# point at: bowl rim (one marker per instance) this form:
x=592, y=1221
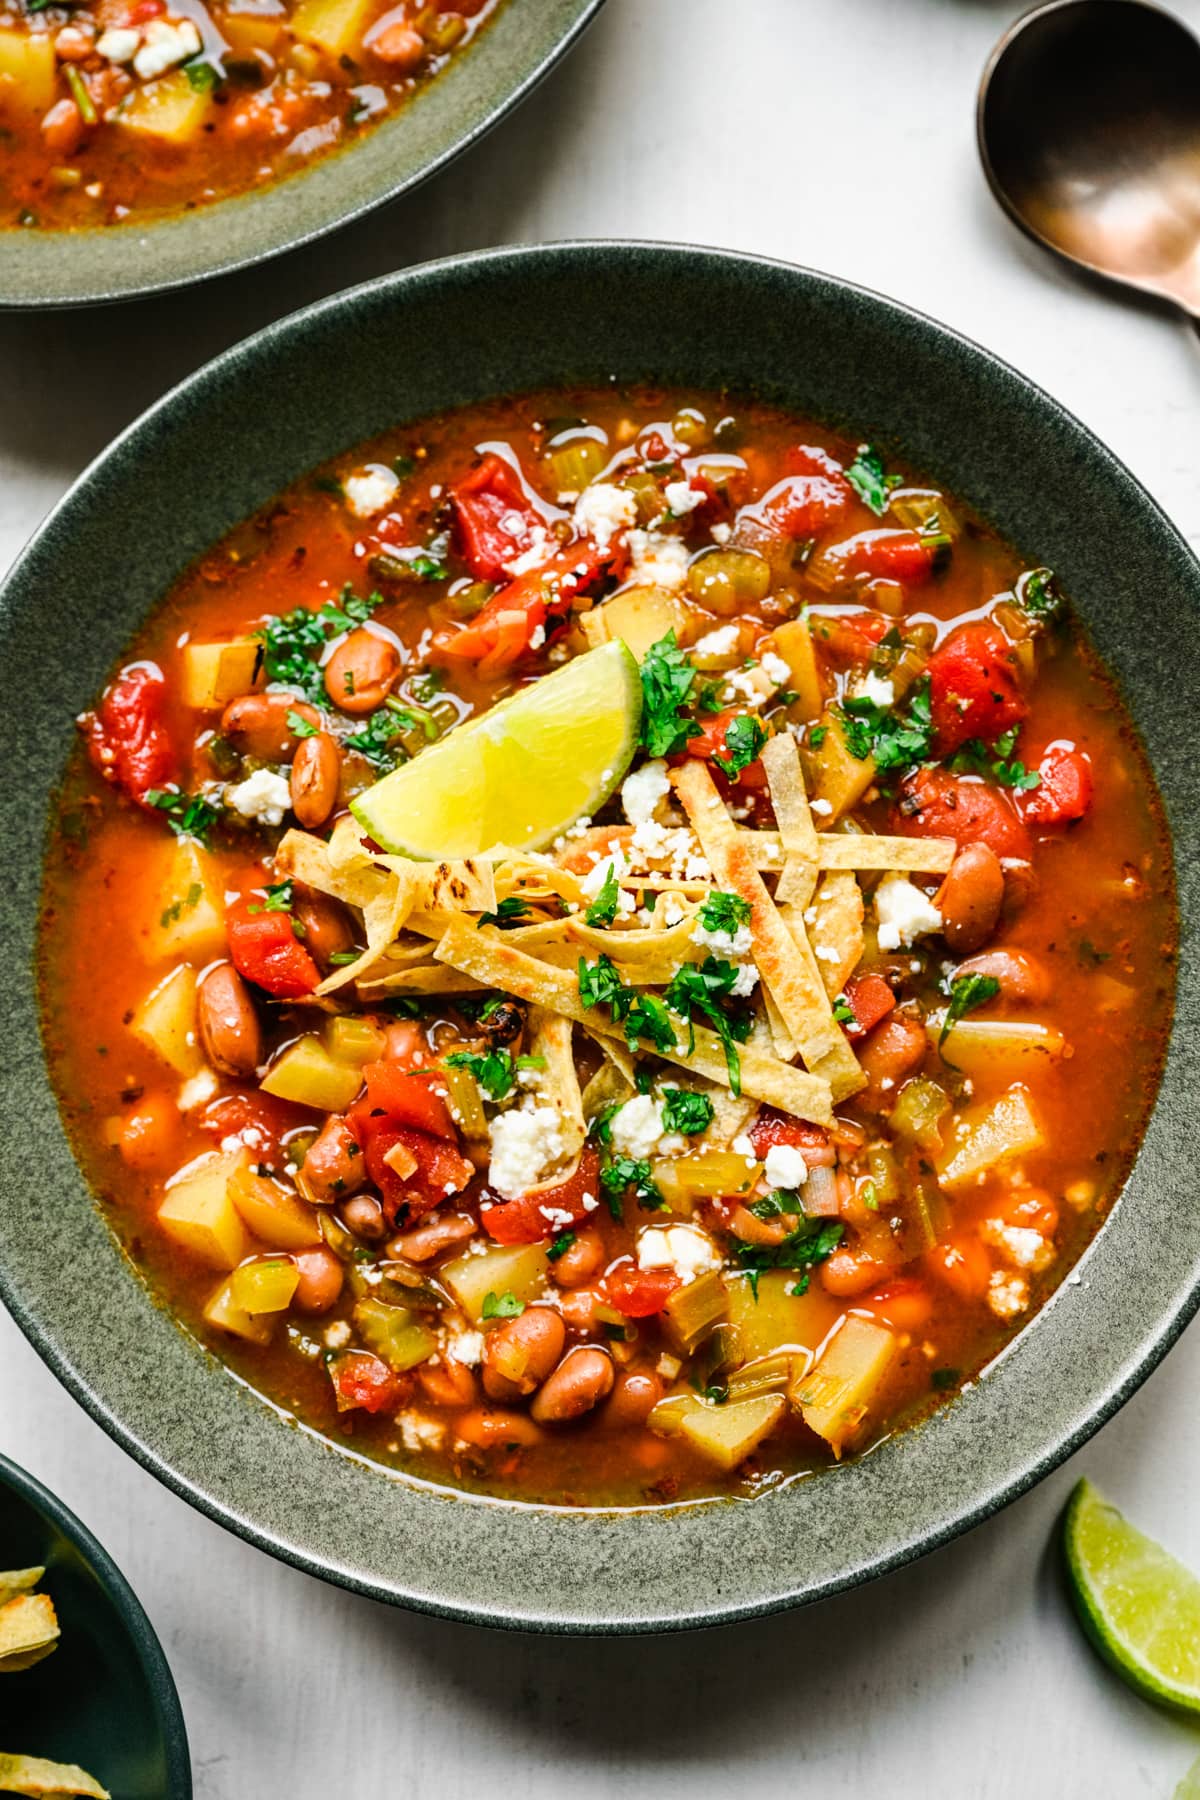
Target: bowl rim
x=1032, y=1464
x=151, y=1656
x=46, y=291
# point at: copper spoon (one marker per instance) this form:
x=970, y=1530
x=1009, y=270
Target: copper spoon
x=1089, y=131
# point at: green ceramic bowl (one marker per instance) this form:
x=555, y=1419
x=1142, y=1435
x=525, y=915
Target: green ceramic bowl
x=394, y=350
x=105, y=1698
x=76, y=268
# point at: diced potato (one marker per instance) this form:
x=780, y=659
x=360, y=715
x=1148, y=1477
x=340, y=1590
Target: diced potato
x=793, y=642
x=833, y=774
x=223, y=1312
x=987, y=1136
x=335, y=26
x=354, y=1041
x=189, y=913
x=198, y=1210
x=273, y=1213
x=394, y=1333
x=215, y=673
x=836, y=1396
x=777, y=1318
x=27, y=70
x=265, y=1285
x=165, y=1021
x=246, y=32
x=692, y=1311
x=307, y=1074
x=667, y=1417
x=727, y=1434
x=519, y=1270
x=1002, y=1048
x=639, y=616
x=169, y=109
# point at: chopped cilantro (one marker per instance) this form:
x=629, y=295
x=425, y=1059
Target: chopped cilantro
x=188, y=815
x=376, y=739
x=623, y=1173
x=494, y=1071
x=501, y=1306
x=966, y=993
x=866, y=476
x=697, y=988
x=817, y=736
x=513, y=911
x=686, y=1111
x=300, y=727
x=185, y=903
x=342, y=958
x=667, y=680
x=724, y=912
x=878, y=731
x=812, y=1242
x=560, y=1246
x=643, y=1015
x=974, y=758
x=744, y=739
x=603, y=909
x=290, y=639
x=1040, y=595
x=843, y=1012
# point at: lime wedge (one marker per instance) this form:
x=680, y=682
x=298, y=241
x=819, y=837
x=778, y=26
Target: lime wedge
x=1139, y=1606
x=519, y=775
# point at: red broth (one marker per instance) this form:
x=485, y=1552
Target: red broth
x=122, y=109
x=832, y=1282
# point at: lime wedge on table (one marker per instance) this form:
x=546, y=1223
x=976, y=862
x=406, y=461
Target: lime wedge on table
x=520, y=774
x=1139, y=1606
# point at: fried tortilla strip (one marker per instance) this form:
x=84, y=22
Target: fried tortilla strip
x=465, y=885
x=34, y=1777
x=305, y=858
x=836, y=931
x=797, y=833
x=861, y=850
x=18, y=1581
x=608, y=1087
x=426, y=978
x=28, y=1631
x=781, y=1038
x=557, y=1084
x=497, y=963
x=616, y=1054
x=383, y=920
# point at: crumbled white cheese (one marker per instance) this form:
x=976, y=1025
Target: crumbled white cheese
x=657, y=559
x=683, y=498
x=539, y=550
x=742, y=1146
x=775, y=669
x=527, y=1144
x=602, y=510
x=1007, y=1295
x=1019, y=1245
x=903, y=913
x=537, y=637
x=643, y=789
x=605, y=866
x=674, y=849
x=721, y=642
x=749, y=684
x=637, y=1130
x=118, y=43
x=163, y=45
x=785, y=1167
x=264, y=796
x=465, y=1347
x=672, y=913
x=198, y=1090
x=822, y=808
x=744, y=982
x=735, y=943
x=874, y=687
x=338, y=1334
x=683, y=1248
x=721, y=533
x=419, y=1433
x=370, y=489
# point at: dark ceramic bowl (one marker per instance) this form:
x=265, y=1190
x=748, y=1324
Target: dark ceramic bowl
x=77, y=268
x=392, y=351
x=105, y=1698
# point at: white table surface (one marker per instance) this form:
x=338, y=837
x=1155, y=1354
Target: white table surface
x=837, y=133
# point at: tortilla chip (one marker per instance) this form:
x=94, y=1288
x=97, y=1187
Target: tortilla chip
x=498, y=963
x=608, y=1087
x=856, y=850
x=466, y=885
x=383, y=918
x=18, y=1581
x=305, y=858
x=34, y=1776
x=615, y=1053
x=426, y=978
x=797, y=833
x=836, y=932
x=28, y=1631
x=557, y=1084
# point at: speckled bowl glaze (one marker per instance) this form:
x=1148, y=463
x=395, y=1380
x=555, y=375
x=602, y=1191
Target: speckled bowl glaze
x=105, y=1698
x=449, y=333
x=79, y=268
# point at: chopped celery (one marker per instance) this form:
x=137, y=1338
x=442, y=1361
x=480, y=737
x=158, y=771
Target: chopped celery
x=886, y=1179
x=393, y=1333
x=924, y=1215
x=466, y=1107
x=727, y=581
x=708, y=1175
x=728, y=1434
x=919, y=1112
x=265, y=1285
x=223, y=1312
x=575, y=465
x=354, y=1041
x=835, y=1397
x=924, y=510
x=766, y=1375
x=692, y=1311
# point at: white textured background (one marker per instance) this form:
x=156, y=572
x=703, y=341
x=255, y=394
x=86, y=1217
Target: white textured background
x=837, y=133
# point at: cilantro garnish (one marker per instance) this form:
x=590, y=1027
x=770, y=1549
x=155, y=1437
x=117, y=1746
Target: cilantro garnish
x=560, y=1246
x=501, y=1306
x=376, y=739
x=686, y=1111
x=812, y=1242
x=843, y=1012
x=623, y=1173
x=744, y=739
x=667, y=680
x=494, y=1071
x=603, y=909
x=290, y=639
x=878, y=731
x=188, y=815
x=966, y=993
x=974, y=758
x=696, y=988
x=513, y=911
x=642, y=1015
x=866, y=476
x=300, y=727
x=724, y=912
x=817, y=736
x=1040, y=595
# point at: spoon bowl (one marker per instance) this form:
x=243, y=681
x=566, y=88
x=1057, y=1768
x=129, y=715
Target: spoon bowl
x=1089, y=132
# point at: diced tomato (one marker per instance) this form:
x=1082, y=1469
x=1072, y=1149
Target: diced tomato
x=807, y=459
x=640, y=1293
x=771, y=1128
x=364, y=1381
x=504, y=630
x=524, y=1221
x=401, y=1096
x=870, y=999
x=265, y=1114
x=441, y=1170
x=973, y=691
x=496, y=522
x=711, y=743
x=1064, y=792
x=127, y=737
x=935, y=803
x=895, y=555
x=265, y=950
x=802, y=505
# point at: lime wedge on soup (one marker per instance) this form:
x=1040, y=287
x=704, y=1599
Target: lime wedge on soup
x=1139, y=1605
x=521, y=773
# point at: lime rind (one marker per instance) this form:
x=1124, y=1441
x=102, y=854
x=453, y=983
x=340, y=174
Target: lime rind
x=551, y=753
x=1138, y=1604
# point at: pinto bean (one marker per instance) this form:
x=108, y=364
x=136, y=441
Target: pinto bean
x=849, y=1271
x=488, y=1428
x=1021, y=976
x=364, y=1217
x=63, y=129
x=580, y=1261
x=398, y=45
x=889, y=1055
x=315, y=779
x=230, y=1034
x=582, y=1379
x=448, y=1383
x=970, y=898
x=332, y=1166
x=325, y=928
x=360, y=673
x=321, y=1278
x=633, y=1399
x=257, y=724
x=578, y=1308
x=519, y=1354
x=429, y=1239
